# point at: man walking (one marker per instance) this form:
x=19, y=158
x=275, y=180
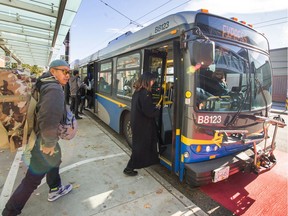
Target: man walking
x=46, y=153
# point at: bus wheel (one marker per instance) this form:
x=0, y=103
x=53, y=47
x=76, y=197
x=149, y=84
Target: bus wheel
x=127, y=131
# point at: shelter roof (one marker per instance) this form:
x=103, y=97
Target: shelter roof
x=34, y=31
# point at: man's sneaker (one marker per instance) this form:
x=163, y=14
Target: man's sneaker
x=59, y=192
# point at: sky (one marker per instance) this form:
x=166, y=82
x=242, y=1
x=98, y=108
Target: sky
x=99, y=21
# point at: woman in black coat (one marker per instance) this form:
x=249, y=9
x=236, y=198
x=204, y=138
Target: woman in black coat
x=144, y=129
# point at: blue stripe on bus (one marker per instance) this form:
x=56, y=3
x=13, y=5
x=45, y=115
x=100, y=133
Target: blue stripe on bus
x=204, y=156
x=113, y=110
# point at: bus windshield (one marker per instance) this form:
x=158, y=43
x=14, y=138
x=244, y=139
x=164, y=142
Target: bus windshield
x=239, y=80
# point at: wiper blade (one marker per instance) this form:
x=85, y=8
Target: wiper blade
x=247, y=92
x=263, y=95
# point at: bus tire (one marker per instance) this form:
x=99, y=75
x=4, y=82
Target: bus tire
x=127, y=131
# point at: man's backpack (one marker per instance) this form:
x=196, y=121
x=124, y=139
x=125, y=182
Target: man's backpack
x=18, y=100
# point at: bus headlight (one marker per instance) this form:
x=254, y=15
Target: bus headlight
x=208, y=149
x=186, y=154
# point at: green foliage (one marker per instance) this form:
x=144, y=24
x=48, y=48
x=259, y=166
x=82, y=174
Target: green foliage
x=14, y=65
x=33, y=69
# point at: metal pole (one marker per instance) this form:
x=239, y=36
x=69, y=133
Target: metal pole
x=67, y=47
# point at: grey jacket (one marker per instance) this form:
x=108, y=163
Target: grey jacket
x=50, y=109
x=74, y=83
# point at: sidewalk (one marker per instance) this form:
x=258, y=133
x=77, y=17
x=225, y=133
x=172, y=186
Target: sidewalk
x=279, y=108
x=93, y=162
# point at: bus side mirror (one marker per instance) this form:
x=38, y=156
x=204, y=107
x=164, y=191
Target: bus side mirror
x=202, y=51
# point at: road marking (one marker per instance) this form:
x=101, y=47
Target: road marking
x=10, y=180
x=72, y=166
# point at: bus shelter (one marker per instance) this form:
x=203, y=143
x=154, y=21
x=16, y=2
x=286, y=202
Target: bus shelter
x=32, y=32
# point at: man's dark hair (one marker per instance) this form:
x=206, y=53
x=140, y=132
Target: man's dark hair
x=75, y=72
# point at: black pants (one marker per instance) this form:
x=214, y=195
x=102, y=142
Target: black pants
x=75, y=100
x=82, y=103
x=90, y=99
x=40, y=165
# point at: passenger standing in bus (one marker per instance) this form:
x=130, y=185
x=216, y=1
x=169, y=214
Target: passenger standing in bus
x=90, y=94
x=85, y=85
x=144, y=129
x=75, y=83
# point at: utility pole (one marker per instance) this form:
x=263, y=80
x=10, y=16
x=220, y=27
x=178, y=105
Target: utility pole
x=67, y=47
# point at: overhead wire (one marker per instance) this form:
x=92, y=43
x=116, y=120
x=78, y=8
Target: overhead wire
x=256, y=25
x=134, y=22
x=166, y=12
x=131, y=21
x=270, y=20
x=154, y=10
x=271, y=24
x=121, y=30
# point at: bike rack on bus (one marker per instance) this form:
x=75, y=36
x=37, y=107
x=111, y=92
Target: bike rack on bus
x=265, y=156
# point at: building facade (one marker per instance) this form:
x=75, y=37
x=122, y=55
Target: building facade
x=279, y=63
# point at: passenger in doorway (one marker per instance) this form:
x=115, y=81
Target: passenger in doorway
x=220, y=87
x=46, y=153
x=90, y=94
x=85, y=85
x=75, y=83
x=144, y=129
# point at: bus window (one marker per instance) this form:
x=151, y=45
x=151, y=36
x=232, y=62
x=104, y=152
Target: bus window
x=128, y=69
x=223, y=85
x=105, y=77
x=262, y=85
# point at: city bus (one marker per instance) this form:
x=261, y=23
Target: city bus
x=204, y=136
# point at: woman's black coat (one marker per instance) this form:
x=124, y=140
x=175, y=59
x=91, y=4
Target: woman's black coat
x=144, y=130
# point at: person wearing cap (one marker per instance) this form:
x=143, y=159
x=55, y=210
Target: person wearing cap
x=46, y=153
x=143, y=125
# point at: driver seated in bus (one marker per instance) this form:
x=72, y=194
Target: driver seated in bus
x=219, y=87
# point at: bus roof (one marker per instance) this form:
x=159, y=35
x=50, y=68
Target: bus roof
x=166, y=28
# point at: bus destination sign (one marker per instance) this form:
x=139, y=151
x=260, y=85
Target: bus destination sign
x=233, y=34
x=228, y=29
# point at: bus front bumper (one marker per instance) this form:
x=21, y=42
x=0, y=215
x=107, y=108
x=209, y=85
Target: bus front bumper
x=202, y=173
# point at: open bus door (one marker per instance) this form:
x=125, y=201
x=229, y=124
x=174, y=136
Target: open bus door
x=155, y=61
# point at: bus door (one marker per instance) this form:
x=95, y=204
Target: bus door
x=156, y=62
